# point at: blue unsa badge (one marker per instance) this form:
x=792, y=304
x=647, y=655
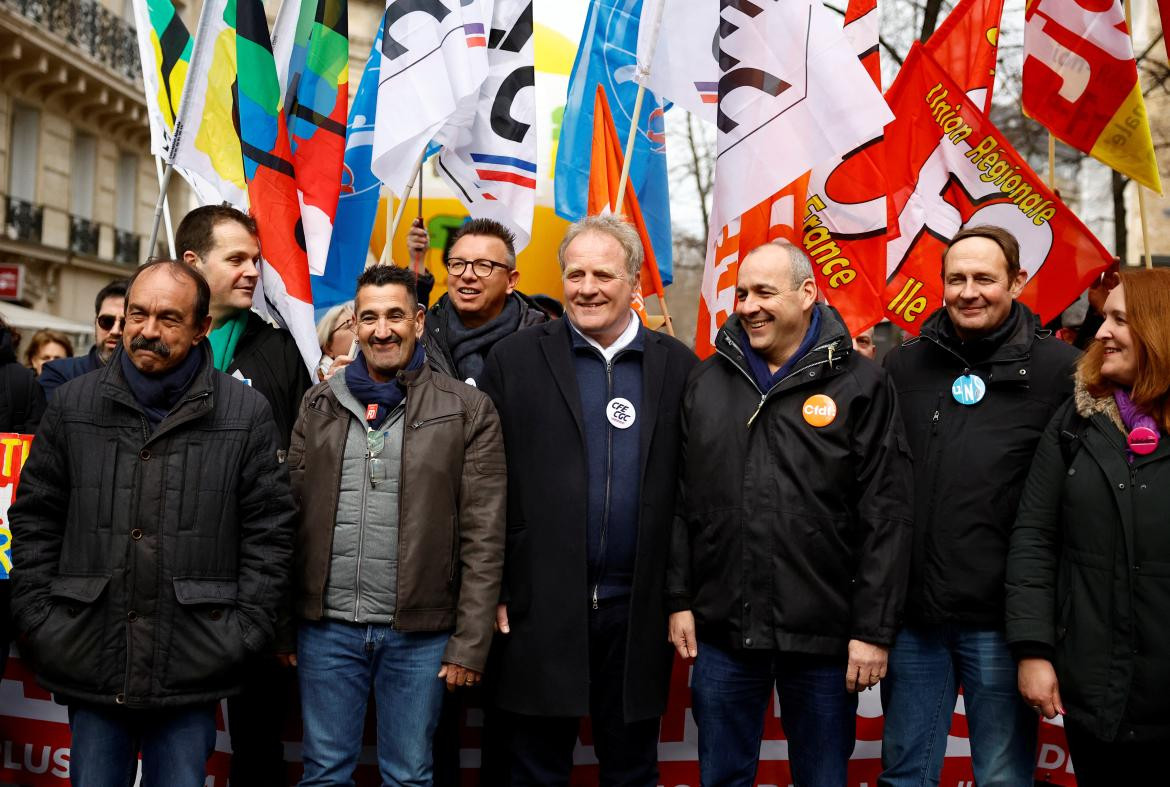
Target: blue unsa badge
x=968, y=389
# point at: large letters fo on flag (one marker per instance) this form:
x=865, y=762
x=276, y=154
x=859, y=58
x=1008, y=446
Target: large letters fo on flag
x=1080, y=80
x=434, y=60
x=492, y=167
x=604, y=177
x=955, y=169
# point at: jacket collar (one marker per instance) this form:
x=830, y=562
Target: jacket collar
x=198, y=400
x=1009, y=343
x=826, y=357
x=1088, y=405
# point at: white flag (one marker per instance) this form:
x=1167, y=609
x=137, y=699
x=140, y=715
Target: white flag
x=205, y=142
x=492, y=166
x=676, y=59
x=434, y=60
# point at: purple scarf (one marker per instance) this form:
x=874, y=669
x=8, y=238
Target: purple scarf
x=1132, y=416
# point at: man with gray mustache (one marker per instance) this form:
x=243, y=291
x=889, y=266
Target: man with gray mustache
x=153, y=541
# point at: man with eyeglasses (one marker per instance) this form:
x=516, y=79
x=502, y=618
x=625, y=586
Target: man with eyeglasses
x=109, y=309
x=400, y=476
x=482, y=304
x=222, y=244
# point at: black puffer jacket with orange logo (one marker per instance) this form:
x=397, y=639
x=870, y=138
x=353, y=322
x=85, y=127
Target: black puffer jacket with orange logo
x=790, y=535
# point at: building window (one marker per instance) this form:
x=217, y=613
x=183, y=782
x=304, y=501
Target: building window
x=22, y=172
x=125, y=240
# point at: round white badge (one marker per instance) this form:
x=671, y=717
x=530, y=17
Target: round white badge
x=621, y=413
x=471, y=381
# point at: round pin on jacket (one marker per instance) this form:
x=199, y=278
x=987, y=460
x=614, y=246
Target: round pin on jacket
x=621, y=412
x=1142, y=440
x=968, y=389
x=819, y=410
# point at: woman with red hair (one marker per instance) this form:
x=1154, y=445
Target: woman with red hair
x=1088, y=573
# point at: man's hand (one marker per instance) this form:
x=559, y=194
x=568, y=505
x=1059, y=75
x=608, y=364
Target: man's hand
x=682, y=634
x=286, y=660
x=867, y=665
x=1039, y=688
x=458, y=676
x=1099, y=290
x=502, y=619
x=417, y=242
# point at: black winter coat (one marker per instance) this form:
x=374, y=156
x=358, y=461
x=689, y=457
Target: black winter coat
x=790, y=536
x=21, y=400
x=147, y=565
x=970, y=462
x=1088, y=575
x=544, y=664
x=269, y=357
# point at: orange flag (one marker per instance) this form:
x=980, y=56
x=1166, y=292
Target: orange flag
x=966, y=44
x=605, y=173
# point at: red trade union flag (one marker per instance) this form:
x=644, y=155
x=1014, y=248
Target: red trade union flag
x=861, y=28
x=779, y=216
x=1081, y=81
x=956, y=169
x=604, y=176
x=966, y=44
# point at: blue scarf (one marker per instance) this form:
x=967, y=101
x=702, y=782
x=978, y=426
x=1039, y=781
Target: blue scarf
x=766, y=379
x=386, y=396
x=158, y=394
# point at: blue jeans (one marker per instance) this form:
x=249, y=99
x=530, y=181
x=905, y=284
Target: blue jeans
x=730, y=692
x=175, y=744
x=927, y=666
x=337, y=665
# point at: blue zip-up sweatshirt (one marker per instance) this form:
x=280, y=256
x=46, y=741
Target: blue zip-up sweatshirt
x=612, y=457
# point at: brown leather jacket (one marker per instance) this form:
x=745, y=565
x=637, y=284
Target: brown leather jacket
x=451, y=510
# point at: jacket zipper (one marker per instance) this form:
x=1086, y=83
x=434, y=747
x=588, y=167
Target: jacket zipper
x=357, y=574
x=789, y=376
x=608, y=473
x=425, y=421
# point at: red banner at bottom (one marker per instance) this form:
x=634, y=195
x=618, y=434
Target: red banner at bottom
x=34, y=743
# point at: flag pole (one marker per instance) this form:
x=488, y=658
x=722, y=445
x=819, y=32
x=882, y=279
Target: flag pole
x=420, y=216
x=632, y=137
x=158, y=169
x=392, y=227
x=1140, y=188
x=667, y=320
x=163, y=182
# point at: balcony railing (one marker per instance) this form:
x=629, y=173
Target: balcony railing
x=23, y=220
x=90, y=27
x=126, y=247
x=83, y=236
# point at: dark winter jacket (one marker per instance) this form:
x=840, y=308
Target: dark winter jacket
x=971, y=461
x=791, y=536
x=269, y=357
x=148, y=564
x=1088, y=574
x=21, y=400
x=56, y=373
x=438, y=343
x=544, y=664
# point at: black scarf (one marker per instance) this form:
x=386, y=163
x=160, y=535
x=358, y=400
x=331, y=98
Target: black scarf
x=386, y=396
x=469, y=346
x=981, y=348
x=158, y=394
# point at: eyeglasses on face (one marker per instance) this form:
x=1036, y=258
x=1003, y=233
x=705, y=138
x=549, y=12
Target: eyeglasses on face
x=481, y=268
x=106, y=321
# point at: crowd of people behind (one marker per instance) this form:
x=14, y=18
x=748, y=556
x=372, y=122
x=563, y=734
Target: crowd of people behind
x=490, y=502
